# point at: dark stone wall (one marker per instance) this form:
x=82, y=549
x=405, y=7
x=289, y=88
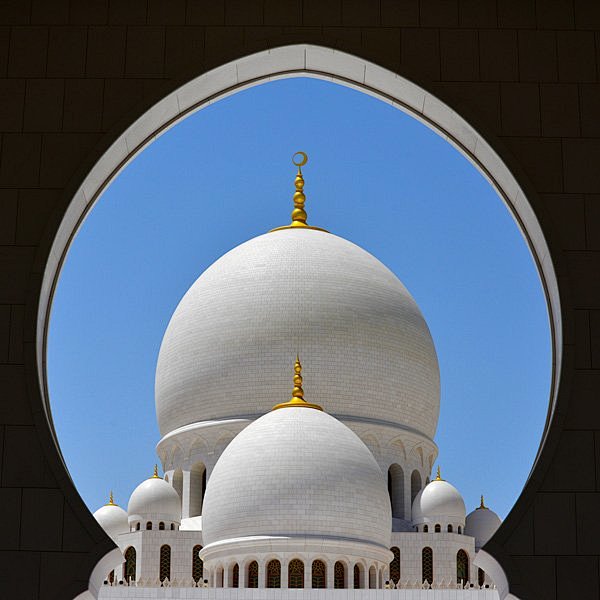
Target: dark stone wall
x=76, y=73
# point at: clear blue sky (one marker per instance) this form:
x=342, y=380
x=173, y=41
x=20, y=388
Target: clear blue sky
x=376, y=177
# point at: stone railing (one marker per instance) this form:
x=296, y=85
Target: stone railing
x=401, y=585
x=149, y=590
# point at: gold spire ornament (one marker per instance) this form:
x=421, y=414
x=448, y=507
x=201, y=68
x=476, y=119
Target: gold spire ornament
x=299, y=215
x=297, y=400
x=482, y=506
x=111, y=501
x=155, y=475
x=438, y=477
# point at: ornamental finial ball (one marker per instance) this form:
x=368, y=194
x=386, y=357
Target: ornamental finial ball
x=299, y=216
x=298, y=392
x=297, y=399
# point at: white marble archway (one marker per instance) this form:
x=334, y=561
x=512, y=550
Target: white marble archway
x=301, y=60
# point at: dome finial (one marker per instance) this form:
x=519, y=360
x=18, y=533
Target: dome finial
x=298, y=392
x=299, y=216
x=297, y=399
x=155, y=474
x=111, y=501
x=482, y=505
x=438, y=477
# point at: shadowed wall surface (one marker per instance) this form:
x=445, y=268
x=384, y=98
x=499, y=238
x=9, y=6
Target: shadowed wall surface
x=76, y=74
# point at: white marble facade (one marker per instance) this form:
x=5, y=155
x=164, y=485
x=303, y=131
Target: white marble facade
x=297, y=497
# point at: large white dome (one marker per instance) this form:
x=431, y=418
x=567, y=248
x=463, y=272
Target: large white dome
x=226, y=352
x=297, y=472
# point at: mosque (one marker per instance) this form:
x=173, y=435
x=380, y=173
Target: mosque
x=328, y=489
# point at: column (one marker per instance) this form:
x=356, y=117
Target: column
x=185, y=495
x=407, y=492
x=330, y=574
x=284, y=574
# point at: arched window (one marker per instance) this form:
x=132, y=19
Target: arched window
x=137, y=526
x=319, y=574
x=130, y=564
x=149, y=525
x=339, y=576
x=480, y=577
x=396, y=490
x=450, y=529
x=372, y=578
x=197, y=488
x=425, y=529
x=296, y=574
x=395, y=565
x=111, y=576
x=274, y=574
x=415, y=484
x=462, y=567
x=165, y=563
x=219, y=577
x=356, y=577
x=172, y=526
x=235, y=576
x=177, y=482
x=161, y=526
x=197, y=564
x=438, y=528
x=252, y=576
x=427, y=565
x=459, y=529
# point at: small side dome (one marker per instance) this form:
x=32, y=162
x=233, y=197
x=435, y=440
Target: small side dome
x=112, y=518
x=154, y=500
x=438, y=502
x=481, y=524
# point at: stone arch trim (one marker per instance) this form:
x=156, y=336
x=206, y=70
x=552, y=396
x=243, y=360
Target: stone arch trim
x=313, y=61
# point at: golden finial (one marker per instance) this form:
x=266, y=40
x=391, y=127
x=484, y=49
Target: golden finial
x=155, y=475
x=298, y=392
x=482, y=505
x=438, y=477
x=111, y=501
x=297, y=399
x=299, y=216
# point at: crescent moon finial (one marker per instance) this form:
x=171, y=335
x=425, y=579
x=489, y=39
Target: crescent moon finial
x=299, y=216
x=302, y=160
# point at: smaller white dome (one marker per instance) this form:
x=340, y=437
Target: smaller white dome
x=481, y=524
x=154, y=500
x=438, y=502
x=113, y=519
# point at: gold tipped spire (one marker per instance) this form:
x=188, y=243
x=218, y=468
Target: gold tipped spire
x=111, y=501
x=482, y=505
x=297, y=399
x=299, y=215
x=298, y=392
x=155, y=475
x=438, y=477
